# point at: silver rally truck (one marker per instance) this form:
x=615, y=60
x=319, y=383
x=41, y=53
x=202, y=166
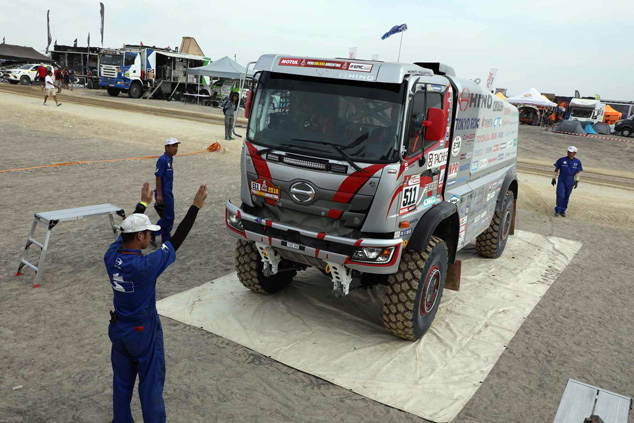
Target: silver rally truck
x=373, y=173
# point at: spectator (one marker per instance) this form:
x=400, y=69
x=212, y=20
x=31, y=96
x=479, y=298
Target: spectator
x=229, y=108
x=66, y=77
x=50, y=89
x=41, y=73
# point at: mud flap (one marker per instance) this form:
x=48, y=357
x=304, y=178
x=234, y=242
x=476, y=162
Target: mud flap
x=512, y=231
x=452, y=281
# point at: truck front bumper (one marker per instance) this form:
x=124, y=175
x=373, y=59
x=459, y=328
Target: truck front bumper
x=309, y=247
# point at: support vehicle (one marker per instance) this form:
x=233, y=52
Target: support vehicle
x=586, y=110
x=135, y=70
x=373, y=173
x=23, y=74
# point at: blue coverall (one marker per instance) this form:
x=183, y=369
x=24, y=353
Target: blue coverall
x=137, y=335
x=165, y=171
x=567, y=171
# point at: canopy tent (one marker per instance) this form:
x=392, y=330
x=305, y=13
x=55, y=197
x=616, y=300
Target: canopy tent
x=27, y=54
x=531, y=97
x=611, y=116
x=225, y=68
x=500, y=96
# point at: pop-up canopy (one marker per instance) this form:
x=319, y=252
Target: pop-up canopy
x=27, y=54
x=500, y=96
x=532, y=97
x=610, y=115
x=225, y=68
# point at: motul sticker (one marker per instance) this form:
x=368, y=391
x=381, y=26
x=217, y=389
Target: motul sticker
x=411, y=189
x=265, y=189
x=437, y=158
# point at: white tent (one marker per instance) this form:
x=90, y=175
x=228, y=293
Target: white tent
x=532, y=97
x=225, y=68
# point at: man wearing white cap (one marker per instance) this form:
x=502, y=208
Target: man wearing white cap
x=135, y=328
x=568, y=168
x=164, y=196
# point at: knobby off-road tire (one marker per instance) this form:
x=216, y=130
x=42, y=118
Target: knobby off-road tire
x=491, y=242
x=113, y=92
x=249, y=266
x=413, y=293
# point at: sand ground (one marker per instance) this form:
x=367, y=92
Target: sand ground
x=53, y=340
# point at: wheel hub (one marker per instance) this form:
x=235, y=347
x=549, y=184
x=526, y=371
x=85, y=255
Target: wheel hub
x=506, y=224
x=430, y=290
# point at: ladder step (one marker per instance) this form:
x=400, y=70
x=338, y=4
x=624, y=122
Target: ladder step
x=39, y=244
x=29, y=264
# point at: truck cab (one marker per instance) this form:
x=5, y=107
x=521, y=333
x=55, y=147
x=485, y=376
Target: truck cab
x=369, y=171
x=586, y=110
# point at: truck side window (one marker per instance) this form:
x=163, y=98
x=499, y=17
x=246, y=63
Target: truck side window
x=433, y=100
x=415, y=144
x=129, y=59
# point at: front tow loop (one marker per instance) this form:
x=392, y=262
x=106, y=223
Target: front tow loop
x=270, y=259
x=341, y=279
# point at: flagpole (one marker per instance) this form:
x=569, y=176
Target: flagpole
x=399, y=48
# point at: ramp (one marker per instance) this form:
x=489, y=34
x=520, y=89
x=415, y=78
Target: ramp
x=342, y=340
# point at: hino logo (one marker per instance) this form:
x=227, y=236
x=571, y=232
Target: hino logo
x=356, y=76
x=302, y=192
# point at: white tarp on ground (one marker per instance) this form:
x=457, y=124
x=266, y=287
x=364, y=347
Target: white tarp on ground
x=342, y=340
x=532, y=97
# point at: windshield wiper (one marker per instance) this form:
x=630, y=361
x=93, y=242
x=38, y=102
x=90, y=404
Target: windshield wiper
x=336, y=148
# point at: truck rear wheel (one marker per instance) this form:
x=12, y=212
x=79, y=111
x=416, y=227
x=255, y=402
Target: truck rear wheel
x=249, y=266
x=413, y=293
x=113, y=91
x=491, y=242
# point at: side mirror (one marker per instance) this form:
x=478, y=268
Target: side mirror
x=436, y=125
x=247, y=107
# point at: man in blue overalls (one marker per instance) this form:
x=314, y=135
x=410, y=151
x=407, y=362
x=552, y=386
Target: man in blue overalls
x=164, y=195
x=568, y=168
x=135, y=329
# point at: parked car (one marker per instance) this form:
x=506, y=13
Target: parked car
x=625, y=126
x=24, y=74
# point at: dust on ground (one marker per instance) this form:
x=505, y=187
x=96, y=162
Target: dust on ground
x=54, y=339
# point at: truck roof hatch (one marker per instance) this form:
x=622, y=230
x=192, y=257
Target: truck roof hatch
x=437, y=67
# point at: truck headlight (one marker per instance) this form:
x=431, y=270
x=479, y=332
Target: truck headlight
x=373, y=254
x=234, y=221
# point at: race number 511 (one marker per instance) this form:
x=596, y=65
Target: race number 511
x=437, y=158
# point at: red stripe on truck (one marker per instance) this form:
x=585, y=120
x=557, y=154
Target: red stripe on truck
x=334, y=214
x=353, y=183
x=261, y=166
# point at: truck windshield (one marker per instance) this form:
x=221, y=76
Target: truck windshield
x=581, y=112
x=362, y=119
x=112, y=59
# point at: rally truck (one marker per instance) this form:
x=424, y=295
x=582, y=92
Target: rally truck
x=375, y=174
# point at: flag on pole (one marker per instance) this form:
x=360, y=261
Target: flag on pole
x=101, y=12
x=48, y=29
x=353, y=53
x=395, y=30
x=75, y=43
x=492, y=74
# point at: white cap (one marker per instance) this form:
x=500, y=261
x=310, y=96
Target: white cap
x=572, y=149
x=171, y=141
x=138, y=222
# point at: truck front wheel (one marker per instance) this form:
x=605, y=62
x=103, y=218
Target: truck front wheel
x=249, y=266
x=113, y=92
x=413, y=293
x=136, y=90
x=491, y=242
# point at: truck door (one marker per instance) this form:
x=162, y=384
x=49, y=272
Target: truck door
x=425, y=161
x=132, y=66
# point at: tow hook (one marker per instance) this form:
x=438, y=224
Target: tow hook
x=341, y=278
x=270, y=259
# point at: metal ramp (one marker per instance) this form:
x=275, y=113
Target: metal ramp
x=585, y=403
x=52, y=218
x=148, y=94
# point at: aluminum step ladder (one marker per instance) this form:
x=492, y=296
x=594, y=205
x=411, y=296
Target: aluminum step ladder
x=150, y=93
x=586, y=403
x=50, y=219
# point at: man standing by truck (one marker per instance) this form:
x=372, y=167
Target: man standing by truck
x=229, y=107
x=135, y=328
x=568, y=168
x=164, y=195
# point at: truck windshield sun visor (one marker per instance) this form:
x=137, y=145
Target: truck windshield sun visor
x=360, y=118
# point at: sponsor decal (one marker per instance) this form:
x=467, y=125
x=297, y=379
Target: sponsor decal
x=435, y=88
x=430, y=201
x=465, y=124
x=502, y=145
x=411, y=190
x=485, y=101
x=453, y=170
x=475, y=166
x=437, y=158
x=514, y=142
x=430, y=187
x=463, y=167
x=265, y=189
x=360, y=67
x=455, y=147
x=356, y=76
x=483, y=163
x=465, y=156
x=466, y=211
x=450, y=183
x=483, y=138
x=501, y=157
x=497, y=122
x=493, y=159
x=463, y=100
x=454, y=199
x=477, y=152
x=468, y=138
x=489, y=150
x=496, y=147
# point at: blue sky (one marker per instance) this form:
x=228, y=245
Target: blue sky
x=558, y=48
